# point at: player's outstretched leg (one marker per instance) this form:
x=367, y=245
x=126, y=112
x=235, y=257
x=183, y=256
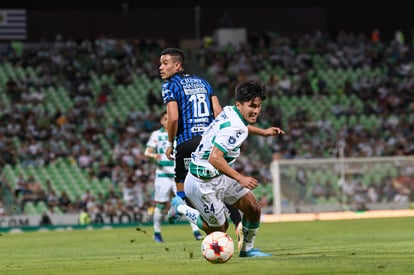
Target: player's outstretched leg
x=180, y=208
x=196, y=231
x=173, y=215
x=157, y=221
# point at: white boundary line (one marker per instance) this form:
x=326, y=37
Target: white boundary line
x=338, y=216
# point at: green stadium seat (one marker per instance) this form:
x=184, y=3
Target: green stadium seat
x=29, y=208
x=41, y=207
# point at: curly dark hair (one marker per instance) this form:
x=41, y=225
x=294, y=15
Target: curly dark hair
x=248, y=90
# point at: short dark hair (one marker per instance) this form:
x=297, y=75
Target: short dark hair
x=175, y=52
x=250, y=89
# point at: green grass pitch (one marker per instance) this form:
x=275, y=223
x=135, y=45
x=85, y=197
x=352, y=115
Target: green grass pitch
x=366, y=246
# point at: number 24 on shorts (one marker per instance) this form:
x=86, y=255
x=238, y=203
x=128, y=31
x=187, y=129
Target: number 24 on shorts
x=209, y=208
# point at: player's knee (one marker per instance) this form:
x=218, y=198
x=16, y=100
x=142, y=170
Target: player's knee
x=252, y=209
x=255, y=209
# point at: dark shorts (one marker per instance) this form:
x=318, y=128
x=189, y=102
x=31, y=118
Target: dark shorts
x=183, y=157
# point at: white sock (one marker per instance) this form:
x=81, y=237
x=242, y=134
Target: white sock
x=157, y=219
x=249, y=237
x=194, y=227
x=191, y=213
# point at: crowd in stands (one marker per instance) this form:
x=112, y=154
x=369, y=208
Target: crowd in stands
x=32, y=136
x=388, y=96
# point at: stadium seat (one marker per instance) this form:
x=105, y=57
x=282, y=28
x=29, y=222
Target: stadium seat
x=30, y=209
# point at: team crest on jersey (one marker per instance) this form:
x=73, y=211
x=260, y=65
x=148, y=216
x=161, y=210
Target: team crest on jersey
x=212, y=220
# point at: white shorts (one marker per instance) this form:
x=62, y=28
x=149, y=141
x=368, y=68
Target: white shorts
x=163, y=186
x=209, y=196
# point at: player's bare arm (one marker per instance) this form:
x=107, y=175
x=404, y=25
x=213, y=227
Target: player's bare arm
x=172, y=127
x=271, y=131
x=216, y=106
x=217, y=160
x=150, y=153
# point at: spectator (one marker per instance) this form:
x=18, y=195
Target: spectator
x=329, y=190
x=20, y=186
x=84, y=159
x=84, y=218
x=64, y=202
x=52, y=199
x=318, y=191
x=45, y=220
x=132, y=195
x=372, y=195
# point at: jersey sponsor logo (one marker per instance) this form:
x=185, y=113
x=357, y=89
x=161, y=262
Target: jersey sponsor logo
x=203, y=172
x=190, y=215
x=190, y=80
x=193, y=86
x=199, y=120
x=194, y=91
x=223, y=115
x=187, y=163
x=232, y=140
x=197, y=129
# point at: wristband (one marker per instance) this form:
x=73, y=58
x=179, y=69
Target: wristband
x=170, y=144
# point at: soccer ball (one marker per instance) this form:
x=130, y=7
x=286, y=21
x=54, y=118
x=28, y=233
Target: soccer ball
x=217, y=247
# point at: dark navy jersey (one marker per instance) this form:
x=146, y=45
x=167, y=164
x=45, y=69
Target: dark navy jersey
x=193, y=97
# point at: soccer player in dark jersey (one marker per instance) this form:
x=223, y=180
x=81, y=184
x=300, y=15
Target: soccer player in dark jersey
x=191, y=106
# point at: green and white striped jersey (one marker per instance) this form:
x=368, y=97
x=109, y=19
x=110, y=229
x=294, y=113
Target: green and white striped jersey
x=227, y=132
x=159, y=142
